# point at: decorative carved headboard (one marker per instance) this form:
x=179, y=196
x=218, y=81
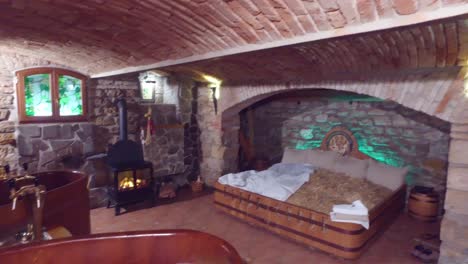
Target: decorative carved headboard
x=342, y=140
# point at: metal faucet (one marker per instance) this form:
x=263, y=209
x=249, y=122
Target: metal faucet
x=34, y=196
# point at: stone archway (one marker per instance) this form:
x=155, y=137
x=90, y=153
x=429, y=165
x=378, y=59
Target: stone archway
x=429, y=91
x=434, y=92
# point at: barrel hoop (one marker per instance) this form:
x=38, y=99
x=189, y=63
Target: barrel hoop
x=424, y=201
x=422, y=216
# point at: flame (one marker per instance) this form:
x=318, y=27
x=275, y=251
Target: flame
x=127, y=183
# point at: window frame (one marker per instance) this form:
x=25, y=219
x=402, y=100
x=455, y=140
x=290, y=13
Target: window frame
x=55, y=100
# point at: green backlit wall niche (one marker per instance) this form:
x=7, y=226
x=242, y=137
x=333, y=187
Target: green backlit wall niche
x=366, y=146
x=385, y=131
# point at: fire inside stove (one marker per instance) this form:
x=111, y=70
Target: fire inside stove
x=128, y=181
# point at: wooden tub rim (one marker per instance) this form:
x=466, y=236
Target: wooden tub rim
x=228, y=248
x=80, y=176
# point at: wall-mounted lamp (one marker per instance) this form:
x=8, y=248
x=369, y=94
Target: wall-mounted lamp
x=214, y=84
x=151, y=87
x=215, y=100
x=465, y=85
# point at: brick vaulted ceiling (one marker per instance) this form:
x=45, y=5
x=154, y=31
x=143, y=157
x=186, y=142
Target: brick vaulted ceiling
x=433, y=45
x=102, y=37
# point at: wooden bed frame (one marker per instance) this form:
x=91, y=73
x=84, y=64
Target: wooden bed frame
x=307, y=226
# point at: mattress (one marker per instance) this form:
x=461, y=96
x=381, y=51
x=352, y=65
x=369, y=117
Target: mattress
x=326, y=188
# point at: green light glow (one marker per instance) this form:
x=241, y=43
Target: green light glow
x=375, y=148
x=303, y=145
x=306, y=133
x=368, y=146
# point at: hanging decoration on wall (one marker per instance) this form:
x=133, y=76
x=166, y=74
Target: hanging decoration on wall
x=149, y=126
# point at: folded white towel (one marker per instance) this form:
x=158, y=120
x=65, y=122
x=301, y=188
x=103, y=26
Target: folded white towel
x=356, y=208
x=356, y=213
x=335, y=218
x=341, y=216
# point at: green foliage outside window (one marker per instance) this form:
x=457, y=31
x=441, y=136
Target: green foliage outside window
x=37, y=95
x=51, y=95
x=70, y=96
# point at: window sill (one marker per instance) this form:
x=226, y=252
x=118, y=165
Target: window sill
x=55, y=120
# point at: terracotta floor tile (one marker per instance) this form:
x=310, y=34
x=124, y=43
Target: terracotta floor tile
x=254, y=244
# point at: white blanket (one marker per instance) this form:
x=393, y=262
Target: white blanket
x=278, y=182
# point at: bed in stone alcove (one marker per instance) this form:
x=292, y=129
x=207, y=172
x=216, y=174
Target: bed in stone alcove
x=308, y=226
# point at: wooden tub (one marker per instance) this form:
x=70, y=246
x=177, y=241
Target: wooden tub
x=66, y=204
x=168, y=246
x=307, y=226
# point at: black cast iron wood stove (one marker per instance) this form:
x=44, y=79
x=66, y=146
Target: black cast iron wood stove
x=133, y=176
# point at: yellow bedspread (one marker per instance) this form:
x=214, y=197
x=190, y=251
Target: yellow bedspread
x=327, y=188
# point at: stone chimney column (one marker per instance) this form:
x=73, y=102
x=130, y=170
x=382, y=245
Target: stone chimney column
x=454, y=229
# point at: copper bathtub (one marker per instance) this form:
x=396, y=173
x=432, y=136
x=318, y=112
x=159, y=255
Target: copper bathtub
x=66, y=204
x=168, y=246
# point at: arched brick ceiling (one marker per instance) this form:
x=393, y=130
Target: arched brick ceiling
x=97, y=36
x=439, y=44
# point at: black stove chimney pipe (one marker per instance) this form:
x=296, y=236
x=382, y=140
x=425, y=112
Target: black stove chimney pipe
x=122, y=105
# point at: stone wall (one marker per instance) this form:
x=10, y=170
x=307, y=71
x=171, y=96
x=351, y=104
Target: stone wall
x=386, y=131
x=212, y=151
x=166, y=147
x=8, y=154
x=10, y=62
x=102, y=95
x=176, y=131
x=188, y=116
x=166, y=150
x=454, y=229
x=57, y=146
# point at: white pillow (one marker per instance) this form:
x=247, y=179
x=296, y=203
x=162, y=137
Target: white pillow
x=293, y=156
x=353, y=167
x=321, y=159
x=387, y=176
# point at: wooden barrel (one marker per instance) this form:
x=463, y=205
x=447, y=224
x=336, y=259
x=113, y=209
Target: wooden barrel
x=423, y=206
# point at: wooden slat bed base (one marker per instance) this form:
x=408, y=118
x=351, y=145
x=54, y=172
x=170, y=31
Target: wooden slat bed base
x=306, y=226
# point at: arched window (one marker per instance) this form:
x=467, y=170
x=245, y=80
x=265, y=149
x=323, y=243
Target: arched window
x=51, y=95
